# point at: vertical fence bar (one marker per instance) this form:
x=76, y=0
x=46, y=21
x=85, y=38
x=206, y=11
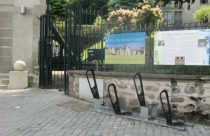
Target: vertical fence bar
x=41, y=50
x=65, y=51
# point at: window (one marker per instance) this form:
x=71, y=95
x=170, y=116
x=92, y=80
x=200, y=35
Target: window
x=167, y=15
x=205, y=20
x=203, y=1
x=178, y=17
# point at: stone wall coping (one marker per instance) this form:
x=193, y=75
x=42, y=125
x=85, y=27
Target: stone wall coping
x=144, y=75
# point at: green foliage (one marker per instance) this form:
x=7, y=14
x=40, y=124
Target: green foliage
x=202, y=14
x=57, y=8
x=143, y=14
x=129, y=4
x=94, y=4
x=125, y=4
x=99, y=21
x=60, y=25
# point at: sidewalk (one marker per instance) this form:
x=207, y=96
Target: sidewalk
x=38, y=112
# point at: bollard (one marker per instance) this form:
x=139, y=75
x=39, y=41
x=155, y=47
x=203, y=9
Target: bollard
x=97, y=104
x=154, y=110
x=144, y=112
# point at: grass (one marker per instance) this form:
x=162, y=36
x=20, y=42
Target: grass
x=124, y=59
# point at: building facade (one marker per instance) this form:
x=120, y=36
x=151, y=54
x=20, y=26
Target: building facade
x=174, y=15
x=19, y=32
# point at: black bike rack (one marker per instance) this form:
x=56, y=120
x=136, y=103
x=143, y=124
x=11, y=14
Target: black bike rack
x=94, y=89
x=168, y=113
x=140, y=94
x=116, y=104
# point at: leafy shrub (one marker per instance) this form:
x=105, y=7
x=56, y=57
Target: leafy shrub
x=144, y=14
x=201, y=15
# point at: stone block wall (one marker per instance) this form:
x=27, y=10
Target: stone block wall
x=187, y=94
x=19, y=33
x=6, y=30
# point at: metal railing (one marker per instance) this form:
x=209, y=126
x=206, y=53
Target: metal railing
x=68, y=45
x=93, y=37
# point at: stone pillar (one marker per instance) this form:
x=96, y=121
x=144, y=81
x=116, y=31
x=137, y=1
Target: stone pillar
x=23, y=31
x=19, y=33
x=22, y=37
x=18, y=79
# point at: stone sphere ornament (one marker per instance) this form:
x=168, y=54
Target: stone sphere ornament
x=19, y=65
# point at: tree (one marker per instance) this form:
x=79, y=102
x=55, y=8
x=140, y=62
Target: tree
x=129, y=4
x=94, y=4
x=124, y=4
x=58, y=6
x=201, y=15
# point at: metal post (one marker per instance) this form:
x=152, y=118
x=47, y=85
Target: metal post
x=48, y=4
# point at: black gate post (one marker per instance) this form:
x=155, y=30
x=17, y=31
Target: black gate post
x=45, y=51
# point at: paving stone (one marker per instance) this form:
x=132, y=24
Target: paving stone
x=38, y=112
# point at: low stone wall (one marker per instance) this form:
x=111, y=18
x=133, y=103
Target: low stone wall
x=188, y=93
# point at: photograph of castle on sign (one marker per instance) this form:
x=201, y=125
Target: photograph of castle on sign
x=125, y=48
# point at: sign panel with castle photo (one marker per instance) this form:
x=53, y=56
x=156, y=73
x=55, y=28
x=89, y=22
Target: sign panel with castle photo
x=125, y=48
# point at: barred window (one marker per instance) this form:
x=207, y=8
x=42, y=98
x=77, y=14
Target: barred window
x=203, y=1
x=167, y=15
x=178, y=17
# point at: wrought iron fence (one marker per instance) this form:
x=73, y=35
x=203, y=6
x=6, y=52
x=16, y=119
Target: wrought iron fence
x=85, y=35
x=148, y=67
x=78, y=43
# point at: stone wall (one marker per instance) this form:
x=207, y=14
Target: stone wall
x=19, y=33
x=6, y=38
x=188, y=94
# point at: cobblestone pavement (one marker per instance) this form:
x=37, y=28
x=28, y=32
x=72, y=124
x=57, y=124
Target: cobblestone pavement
x=37, y=112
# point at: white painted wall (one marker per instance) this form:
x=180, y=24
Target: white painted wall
x=84, y=89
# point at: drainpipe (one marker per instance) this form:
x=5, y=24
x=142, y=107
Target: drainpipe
x=48, y=4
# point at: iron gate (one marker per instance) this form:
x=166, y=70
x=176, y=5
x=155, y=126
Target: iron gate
x=82, y=36
x=57, y=56
x=52, y=73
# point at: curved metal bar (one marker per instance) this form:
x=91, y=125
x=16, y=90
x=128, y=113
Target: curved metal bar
x=168, y=114
x=94, y=89
x=115, y=105
x=140, y=95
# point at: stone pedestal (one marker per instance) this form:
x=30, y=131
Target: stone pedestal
x=144, y=112
x=18, y=79
x=97, y=104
